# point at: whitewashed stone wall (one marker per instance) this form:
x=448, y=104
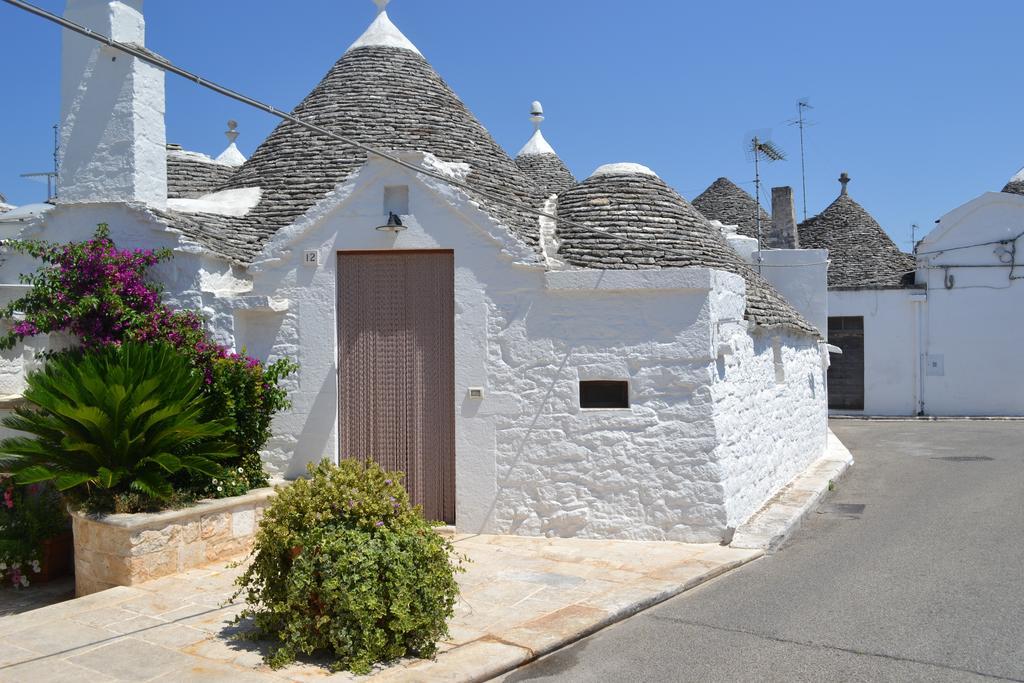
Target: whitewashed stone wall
x=643, y=472
x=703, y=443
x=771, y=417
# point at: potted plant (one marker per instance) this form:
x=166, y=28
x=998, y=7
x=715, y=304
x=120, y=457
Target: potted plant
x=150, y=429
x=35, y=534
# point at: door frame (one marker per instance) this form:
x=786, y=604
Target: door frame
x=450, y=483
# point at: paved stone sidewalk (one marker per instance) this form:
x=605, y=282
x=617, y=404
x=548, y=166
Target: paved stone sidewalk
x=521, y=598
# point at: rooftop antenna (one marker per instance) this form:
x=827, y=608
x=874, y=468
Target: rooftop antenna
x=914, y=227
x=802, y=104
x=51, y=176
x=760, y=148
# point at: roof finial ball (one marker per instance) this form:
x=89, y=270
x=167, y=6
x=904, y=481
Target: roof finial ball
x=536, y=115
x=844, y=180
x=382, y=5
x=231, y=134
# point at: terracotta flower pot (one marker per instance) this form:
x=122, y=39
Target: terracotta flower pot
x=55, y=558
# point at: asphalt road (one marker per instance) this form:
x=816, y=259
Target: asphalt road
x=925, y=584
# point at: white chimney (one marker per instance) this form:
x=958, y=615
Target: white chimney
x=112, y=140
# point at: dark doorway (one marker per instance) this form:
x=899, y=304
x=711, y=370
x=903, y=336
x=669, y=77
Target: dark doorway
x=846, y=372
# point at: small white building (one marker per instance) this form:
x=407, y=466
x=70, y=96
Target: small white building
x=872, y=309
x=610, y=369
x=972, y=266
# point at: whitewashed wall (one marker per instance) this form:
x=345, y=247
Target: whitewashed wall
x=698, y=449
x=771, y=416
x=973, y=328
x=891, y=345
x=801, y=276
x=529, y=460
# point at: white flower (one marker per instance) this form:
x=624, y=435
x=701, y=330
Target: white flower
x=3, y=566
x=220, y=488
x=35, y=566
x=215, y=481
x=24, y=581
x=241, y=471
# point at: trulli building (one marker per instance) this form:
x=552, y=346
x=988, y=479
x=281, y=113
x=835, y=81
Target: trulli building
x=872, y=310
x=540, y=355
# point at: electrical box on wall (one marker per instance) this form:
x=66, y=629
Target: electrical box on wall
x=476, y=392
x=935, y=365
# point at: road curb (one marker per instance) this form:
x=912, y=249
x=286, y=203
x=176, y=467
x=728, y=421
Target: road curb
x=516, y=662
x=782, y=515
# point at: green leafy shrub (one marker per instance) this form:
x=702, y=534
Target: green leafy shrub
x=112, y=427
x=344, y=565
x=102, y=296
x=29, y=515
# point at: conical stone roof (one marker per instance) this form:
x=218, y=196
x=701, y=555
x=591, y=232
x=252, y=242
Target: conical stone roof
x=862, y=255
x=727, y=202
x=384, y=94
x=632, y=202
x=1016, y=183
x=539, y=161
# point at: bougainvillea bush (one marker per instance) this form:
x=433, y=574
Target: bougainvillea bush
x=345, y=566
x=101, y=295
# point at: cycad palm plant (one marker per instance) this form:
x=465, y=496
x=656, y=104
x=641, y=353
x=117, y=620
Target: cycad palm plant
x=115, y=420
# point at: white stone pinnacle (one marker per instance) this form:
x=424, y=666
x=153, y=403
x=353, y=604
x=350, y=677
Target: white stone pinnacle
x=536, y=145
x=383, y=33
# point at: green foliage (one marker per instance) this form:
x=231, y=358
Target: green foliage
x=344, y=565
x=103, y=296
x=113, y=421
x=250, y=395
x=29, y=515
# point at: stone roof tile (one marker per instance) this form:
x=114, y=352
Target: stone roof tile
x=385, y=97
x=862, y=255
x=548, y=171
x=191, y=175
x=727, y=202
x=641, y=207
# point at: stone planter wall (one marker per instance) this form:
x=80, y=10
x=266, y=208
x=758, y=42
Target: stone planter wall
x=122, y=550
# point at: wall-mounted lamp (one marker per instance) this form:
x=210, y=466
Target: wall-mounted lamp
x=394, y=224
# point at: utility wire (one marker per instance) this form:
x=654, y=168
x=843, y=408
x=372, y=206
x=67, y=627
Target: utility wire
x=166, y=65
x=1007, y=240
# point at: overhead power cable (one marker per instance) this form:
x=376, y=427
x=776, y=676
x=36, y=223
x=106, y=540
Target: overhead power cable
x=166, y=65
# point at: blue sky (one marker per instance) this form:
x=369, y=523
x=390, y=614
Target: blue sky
x=920, y=101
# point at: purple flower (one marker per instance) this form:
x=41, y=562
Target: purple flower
x=25, y=329
x=378, y=524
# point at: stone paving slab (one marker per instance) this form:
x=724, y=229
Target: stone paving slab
x=521, y=598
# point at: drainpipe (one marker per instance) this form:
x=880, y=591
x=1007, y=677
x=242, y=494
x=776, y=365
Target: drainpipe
x=922, y=333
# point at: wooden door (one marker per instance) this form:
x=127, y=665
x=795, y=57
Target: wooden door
x=846, y=371
x=396, y=384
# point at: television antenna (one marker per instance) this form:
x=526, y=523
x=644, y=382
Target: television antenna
x=801, y=105
x=914, y=227
x=759, y=147
x=51, y=176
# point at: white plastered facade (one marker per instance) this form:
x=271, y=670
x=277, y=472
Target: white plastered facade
x=973, y=323
x=719, y=419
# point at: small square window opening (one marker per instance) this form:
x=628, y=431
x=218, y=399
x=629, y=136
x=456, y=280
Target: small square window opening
x=396, y=200
x=604, y=394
